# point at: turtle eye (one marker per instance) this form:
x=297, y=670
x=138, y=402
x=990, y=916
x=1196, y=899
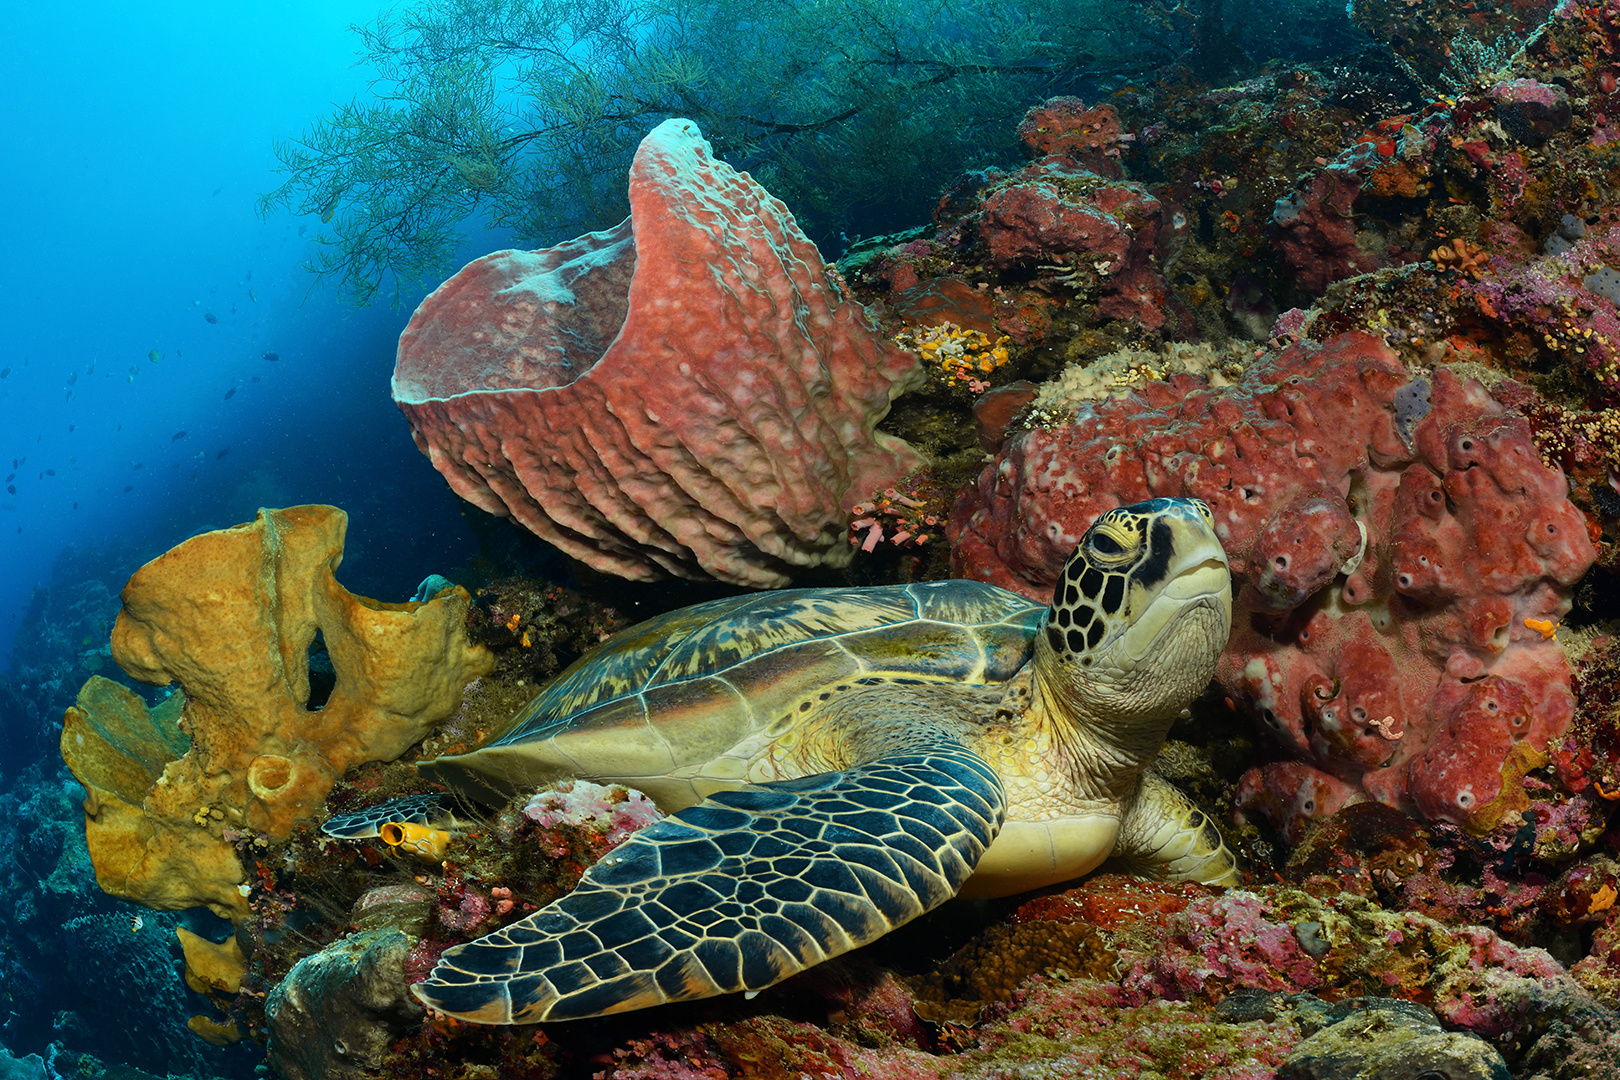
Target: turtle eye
x=1103, y=544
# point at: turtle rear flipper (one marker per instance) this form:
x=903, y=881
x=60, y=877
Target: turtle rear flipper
x=736, y=893
x=432, y=809
x=1165, y=836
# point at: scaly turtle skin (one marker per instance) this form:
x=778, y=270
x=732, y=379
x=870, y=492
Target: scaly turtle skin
x=840, y=761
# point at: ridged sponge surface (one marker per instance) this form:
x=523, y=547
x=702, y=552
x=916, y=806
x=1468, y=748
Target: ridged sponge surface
x=687, y=394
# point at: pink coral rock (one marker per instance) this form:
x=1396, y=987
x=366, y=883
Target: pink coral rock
x=1056, y=211
x=1314, y=227
x=1403, y=556
x=608, y=814
x=1063, y=125
x=687, y=394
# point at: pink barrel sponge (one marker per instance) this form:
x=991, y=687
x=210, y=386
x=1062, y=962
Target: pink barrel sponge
x=687, y=394
x=1401, y=551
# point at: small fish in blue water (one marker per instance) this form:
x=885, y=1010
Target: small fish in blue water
x=75, y=506
x=4, y=372
x=216, y=192
x=69, y=396
x=73, y=377
x=222, y=453
x=251, y=297
x=255, y=378
x=177, y=436
x=91, y=370
x=128, y=488
x=50, y=472
x=10, y=478
x=272, y=357
x=230, y=393
x=138, y=465
x=72, y=428
x=154, y=356
x=210, y=318
x=11, y=489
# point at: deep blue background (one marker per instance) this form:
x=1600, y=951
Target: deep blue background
x=137, y=138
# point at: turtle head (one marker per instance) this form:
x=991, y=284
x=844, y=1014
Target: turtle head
x=1138, y=619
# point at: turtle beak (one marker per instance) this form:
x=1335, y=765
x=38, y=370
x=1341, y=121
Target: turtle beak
x=1199, y=588
x=1209, y=578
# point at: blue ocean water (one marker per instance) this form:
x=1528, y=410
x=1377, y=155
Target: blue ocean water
x=168, y=368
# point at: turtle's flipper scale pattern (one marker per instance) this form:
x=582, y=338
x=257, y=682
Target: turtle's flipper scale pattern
x=1166, y=836
x=737, y=893
x=430, y=809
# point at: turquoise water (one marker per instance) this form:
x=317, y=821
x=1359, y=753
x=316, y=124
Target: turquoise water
x=143, y=294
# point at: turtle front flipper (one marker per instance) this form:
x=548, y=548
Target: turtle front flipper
x=1164, y=835
x=430, y=809
x=736, y=893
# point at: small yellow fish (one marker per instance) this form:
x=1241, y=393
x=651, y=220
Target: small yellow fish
x=135, y=923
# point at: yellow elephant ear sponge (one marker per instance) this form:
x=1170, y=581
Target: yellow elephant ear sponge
x=230, y=615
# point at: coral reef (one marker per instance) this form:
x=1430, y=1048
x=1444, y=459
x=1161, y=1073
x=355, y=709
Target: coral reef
x=1067, y=233
x=1001, y=960
x=958, y=356
x=1315, y=228
x=1278, y=940
x=1403, y=553
x=608, y=813
x=60, y=642
x=70, y=956
x=1413, y=470
x=134, y=968
x=688, y=394
x=231, y=616
x=1064, y=126
x=1389, y=1037
x=1134, y=981
x=334, y=1015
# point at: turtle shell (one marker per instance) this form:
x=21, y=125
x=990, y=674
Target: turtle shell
x=689, y=697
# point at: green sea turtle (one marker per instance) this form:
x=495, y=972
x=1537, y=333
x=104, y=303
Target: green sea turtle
x=839, y=761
